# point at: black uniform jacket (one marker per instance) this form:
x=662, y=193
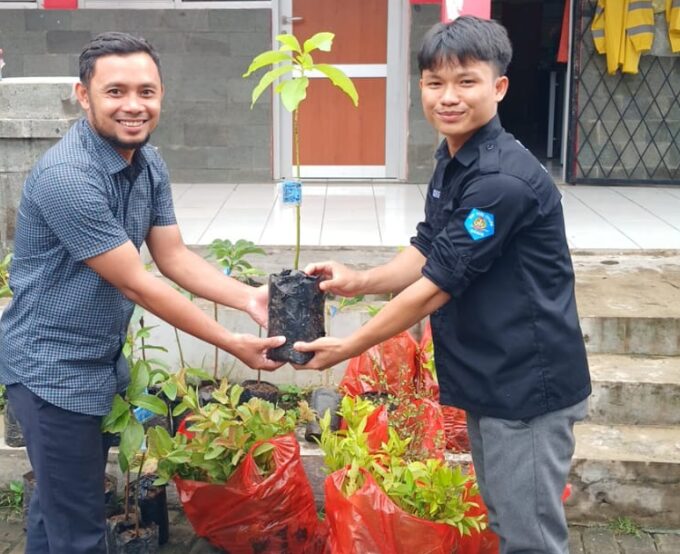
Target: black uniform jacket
x=508, y=344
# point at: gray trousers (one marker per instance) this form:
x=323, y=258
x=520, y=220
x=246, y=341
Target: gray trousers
x=522, y=468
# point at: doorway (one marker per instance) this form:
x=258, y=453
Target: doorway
x=337, y=140
x=534, y=106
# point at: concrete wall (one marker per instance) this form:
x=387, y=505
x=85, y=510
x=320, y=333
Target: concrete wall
x=208, y=132
x=423, y=140
x=34, y=114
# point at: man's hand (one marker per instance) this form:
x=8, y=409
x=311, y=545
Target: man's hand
x=328, y=351
x=252, y=350
x=337, y=278
x=258, y=304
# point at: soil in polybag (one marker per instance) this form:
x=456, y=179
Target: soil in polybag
x=296, y=311
x=252, y=513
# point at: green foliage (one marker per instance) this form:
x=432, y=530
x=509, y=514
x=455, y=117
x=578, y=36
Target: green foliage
x=144, y=372
x=5, y=291
x=223, y=433
x=429, y=489
x=231, y=256
x=296, y=60
x=624, y=526
x=12, y=498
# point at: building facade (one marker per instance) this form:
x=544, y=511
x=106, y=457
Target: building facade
x=585, y=125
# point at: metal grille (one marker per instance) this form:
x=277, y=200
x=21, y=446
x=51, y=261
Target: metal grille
x=623, y=129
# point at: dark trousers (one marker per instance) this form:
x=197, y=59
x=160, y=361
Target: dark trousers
x=68, y=454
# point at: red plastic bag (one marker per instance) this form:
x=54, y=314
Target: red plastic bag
x=455, y=426
x=368, y=522
x=389, y=367
x=426, y=379
x=251, y=513
x=422, y=420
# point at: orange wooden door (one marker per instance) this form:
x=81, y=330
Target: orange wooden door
x=332, y=131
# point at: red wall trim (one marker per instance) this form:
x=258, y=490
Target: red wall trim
x=60, y=4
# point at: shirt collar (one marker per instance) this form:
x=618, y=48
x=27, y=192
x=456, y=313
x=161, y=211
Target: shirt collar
x=113, y=162
x=469, y=152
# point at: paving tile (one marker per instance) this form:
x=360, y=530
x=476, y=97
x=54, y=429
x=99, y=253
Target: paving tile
x=576, y=541
x=599, y=541
x=667, y=543
x=629, y=544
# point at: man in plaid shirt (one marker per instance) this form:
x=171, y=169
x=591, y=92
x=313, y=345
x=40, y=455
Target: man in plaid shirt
x=86, y=208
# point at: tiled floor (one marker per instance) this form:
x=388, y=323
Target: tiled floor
x=386, y=215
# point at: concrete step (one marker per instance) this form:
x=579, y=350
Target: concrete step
x=626, y=470
x=629, y=390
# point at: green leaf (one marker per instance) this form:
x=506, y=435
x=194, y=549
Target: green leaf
x=293, y=92
x=170, y=390
x=340, y=80
x=267, y=79
x=322, y=41
x=139, y=379
x=289, y=43
x=264, y=448
x=266, y=58
x=159, y=442
x=117, y=419
x=151, y=403
x=130, y=442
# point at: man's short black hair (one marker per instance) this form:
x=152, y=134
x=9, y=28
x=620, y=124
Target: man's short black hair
x=113, y=43
x=466, y=39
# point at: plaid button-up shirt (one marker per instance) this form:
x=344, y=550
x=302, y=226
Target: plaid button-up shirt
x=63, y=332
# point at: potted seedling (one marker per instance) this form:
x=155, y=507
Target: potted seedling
x=238, y=471
x=231, y=256
x=296, y=305
x=130, y=532
x=407, y=503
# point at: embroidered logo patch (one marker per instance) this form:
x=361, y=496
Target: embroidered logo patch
x=479, y=224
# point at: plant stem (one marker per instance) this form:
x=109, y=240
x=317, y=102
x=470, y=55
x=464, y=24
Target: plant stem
x=127, y=494
x=137, y=493
x=179, y=348
x=296, y=138
x=217, y=351
x=141, y=326
x=259, y=371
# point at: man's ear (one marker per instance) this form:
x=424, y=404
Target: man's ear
x=81, y=95
x=502, y=84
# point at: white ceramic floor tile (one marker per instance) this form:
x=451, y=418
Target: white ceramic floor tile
x=587, y=229
x=399, y=209
x=191, y=229
x=179, y=189
x=659, y=202
x=337, y=234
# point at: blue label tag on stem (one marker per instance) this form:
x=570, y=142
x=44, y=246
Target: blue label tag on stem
x=291, y=193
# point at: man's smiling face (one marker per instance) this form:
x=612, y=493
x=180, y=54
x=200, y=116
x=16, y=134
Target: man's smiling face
x=123, y=100
x=459, y=99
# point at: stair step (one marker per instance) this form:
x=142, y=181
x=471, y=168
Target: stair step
x=654, y=336
x=626, y=470
x=634, y=389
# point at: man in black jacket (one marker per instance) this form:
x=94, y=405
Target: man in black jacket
x=491, y=266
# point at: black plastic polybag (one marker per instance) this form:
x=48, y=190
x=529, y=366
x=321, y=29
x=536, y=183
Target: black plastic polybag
x=296, y=311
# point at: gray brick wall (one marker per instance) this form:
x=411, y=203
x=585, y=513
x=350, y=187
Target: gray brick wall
x=207, y=132
x=422, y=140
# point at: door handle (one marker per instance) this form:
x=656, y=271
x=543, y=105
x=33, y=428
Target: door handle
x=291, y=19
